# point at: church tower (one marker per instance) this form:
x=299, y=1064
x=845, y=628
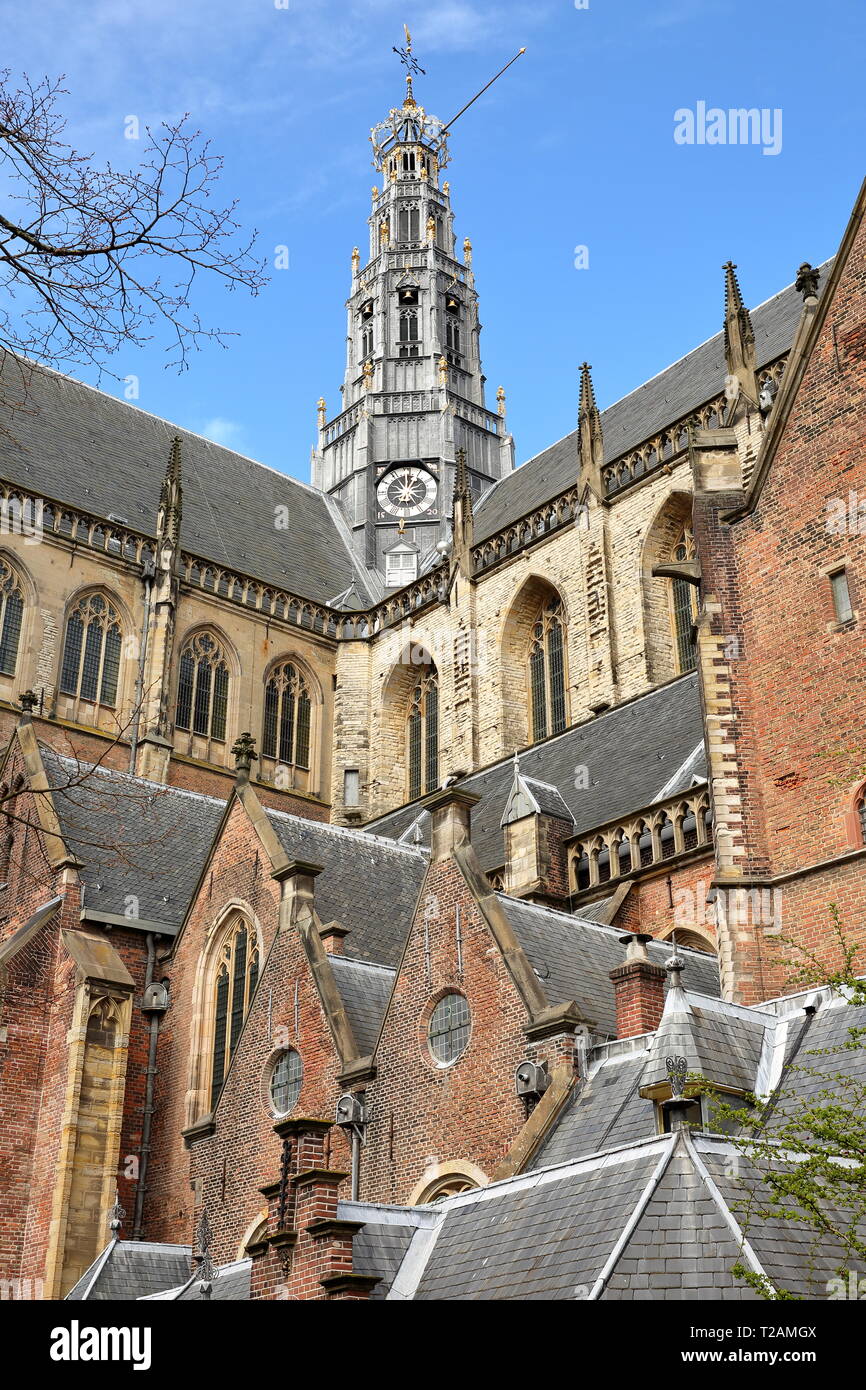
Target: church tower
x=413, y=391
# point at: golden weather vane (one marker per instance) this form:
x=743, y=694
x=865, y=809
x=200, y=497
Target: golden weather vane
x=411, y=64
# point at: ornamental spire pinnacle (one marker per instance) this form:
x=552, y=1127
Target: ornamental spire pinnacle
x=171, y=497
x=411, y=65
x=739, y=339
x=590, y=442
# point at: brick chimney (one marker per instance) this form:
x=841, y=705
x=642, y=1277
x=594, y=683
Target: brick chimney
x=639, y=987
x=306, y=1251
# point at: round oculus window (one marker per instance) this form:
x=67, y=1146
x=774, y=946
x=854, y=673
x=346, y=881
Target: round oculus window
x=285, y=1084
x=448, y=1029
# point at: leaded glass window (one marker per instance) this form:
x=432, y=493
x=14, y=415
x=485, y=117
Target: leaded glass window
x=448, y=1030
x=203, y=688
x=547, y=672
x=684, y=606
x=286, y=1078
x=287, y=717
x=861, y=812
x=11, y=614
x=423, y=733
x=235, y=983
x=91, y=651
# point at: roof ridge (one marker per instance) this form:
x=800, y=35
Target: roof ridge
x=606, y=927
x=126, y=776
x=382, y=841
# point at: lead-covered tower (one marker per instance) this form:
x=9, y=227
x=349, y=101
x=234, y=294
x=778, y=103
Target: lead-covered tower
x=413, y=392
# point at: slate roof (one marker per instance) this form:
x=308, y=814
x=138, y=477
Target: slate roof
x=573, y=959
x=132, y=836
x=604, y=1112
x=129, y=1269
x=661, y=1218
x=365, y=990
x=630, y=754
x=721, y=1041
x=664, y=399
x=105, y=456
x=379, y=1249
x=369, y=883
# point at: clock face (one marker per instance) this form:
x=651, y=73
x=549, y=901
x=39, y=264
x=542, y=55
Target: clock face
x=407, y=491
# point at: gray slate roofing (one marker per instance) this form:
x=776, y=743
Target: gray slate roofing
x=666, y=398
x=604, y=1112
x=129, y=1269
x=661, y=1218
x=630, y=753
x=370, y=884
x=231, y=1285
x=722, y=1043
x=379, y=1250
x=573, y=959
x=365, y=990
x=132, y=836
x=105, y=456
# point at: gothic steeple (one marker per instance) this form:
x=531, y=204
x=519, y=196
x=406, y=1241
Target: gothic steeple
x=739, y=337
x=413, y=389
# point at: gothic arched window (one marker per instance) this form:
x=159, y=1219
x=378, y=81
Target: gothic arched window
x=684, y=605
x=547, y=671
x=287, y=717
x=11, y=614
x=860, y=805
x=408, y=223
x=237, y=971
x=203, y=687
x=423, y=733
x=91, y=651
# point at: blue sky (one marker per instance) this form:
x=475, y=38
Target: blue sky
x=574, y=147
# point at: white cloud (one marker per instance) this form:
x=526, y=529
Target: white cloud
x=226, y=432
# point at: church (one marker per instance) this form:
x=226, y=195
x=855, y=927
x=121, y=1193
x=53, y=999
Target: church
x=381, y=856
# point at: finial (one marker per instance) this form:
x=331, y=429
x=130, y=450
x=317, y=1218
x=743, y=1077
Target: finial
x=29, y=701
x=500, y=399
x=587, y=392
x=117, y=1215
x=171, y=496
x=321, y=410
x=384, y=233
x=675, y=966
x=677, y=1070
x=411, y=65
x=244, y=751
x=446, y=189
x=356, y=260
x=375, y=192
x=461, y=476
x=467, y=250
x=368, y=375
x=431, y=229
x=807, y=280
x=443, y=370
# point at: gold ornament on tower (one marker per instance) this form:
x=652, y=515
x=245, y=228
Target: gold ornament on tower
x=368, y=375
x=321, y=409
x=356, y=260
x=500, y=399
x=443, y=371
x=467, y=250
x=431, y=230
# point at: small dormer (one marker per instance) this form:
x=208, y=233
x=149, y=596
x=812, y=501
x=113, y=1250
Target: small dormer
x=401, y=565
